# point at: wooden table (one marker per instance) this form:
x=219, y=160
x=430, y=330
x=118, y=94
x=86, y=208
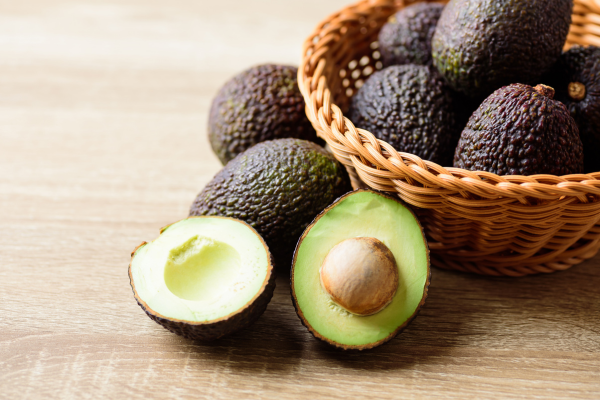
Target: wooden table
x=103, y=113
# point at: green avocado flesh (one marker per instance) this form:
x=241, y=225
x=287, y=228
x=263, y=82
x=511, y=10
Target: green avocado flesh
x=201, y=269
x=361, y=214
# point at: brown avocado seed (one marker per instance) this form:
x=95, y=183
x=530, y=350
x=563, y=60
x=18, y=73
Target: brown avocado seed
x=360, y=275
x=576, y=90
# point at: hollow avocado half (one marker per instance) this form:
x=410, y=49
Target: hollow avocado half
x=203, y=277
x=354, y=241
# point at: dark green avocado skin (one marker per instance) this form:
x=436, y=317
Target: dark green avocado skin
x=519, y=131
x=581, y=64
x=278, y=187
x=409, y=107
x=259, y=104
x=481, y=45
x=406, y=37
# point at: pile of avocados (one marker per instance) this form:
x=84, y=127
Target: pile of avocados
x=359, y=261
x=484, y=86
x=475, y=84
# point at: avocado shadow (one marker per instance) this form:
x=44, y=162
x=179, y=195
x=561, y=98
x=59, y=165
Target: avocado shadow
x=462, y=311
x=431, y=334
x=274, y=342
x=466, y=311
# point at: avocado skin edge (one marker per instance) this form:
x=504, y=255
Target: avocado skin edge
x=213, y=330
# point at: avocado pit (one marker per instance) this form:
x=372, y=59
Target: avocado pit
x=360, y=275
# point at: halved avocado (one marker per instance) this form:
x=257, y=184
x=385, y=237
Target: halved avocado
x=203, y=277
x=361, y=271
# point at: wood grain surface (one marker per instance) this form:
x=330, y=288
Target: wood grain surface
x=103, y=112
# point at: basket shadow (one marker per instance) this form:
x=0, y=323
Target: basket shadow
x=544, y=308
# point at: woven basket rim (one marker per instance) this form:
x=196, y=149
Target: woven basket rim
x=359, y=148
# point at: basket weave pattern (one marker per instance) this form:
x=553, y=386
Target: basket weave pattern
x=474, y=221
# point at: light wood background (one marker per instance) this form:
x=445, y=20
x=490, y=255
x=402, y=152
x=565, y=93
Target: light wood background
x=103, y=108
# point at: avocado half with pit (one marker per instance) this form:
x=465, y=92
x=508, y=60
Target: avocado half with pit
x=203, y=277
x=361, y=271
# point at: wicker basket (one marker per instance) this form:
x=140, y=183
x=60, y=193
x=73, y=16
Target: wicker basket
x=474, y=221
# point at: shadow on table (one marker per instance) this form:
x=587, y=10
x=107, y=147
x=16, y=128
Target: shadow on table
x=275, y=342
x=461, y=311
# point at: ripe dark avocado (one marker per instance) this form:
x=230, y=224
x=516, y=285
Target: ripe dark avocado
x=406, y=37
x=277, y=187
x=203, y=277
x=259, y=104
x=410, y=107
x=576, y=78
x=520, y=130
x=481, y=45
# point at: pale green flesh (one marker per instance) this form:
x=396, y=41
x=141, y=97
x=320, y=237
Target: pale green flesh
x=200, y=269
x=363, y=214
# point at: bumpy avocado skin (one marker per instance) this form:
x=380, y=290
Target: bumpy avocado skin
x=277, y=187
x=406, y=37
x=581, y=64
x=259, y=104
x=519, y=131
x=409, y=107
x=481, y=45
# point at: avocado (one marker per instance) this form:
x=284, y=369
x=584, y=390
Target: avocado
x=277, y=187
x=361, y=271
x=481, y=45
x=259, y=104
x=410, y=107
x=520, y=130
x=576, y=79
x=203, y=277
x=406, y=37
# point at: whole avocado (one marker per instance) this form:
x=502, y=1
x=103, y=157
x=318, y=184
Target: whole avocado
x=278, y=187
x=259, y=104
x=520, y=130
x=576, y=78
x=410, y=107
x=481, y=45
x=406, y=37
